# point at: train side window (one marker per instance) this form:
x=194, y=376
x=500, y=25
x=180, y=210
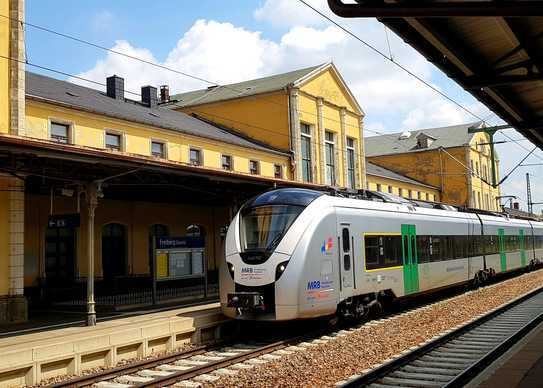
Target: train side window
x=392, y=251
x=459, y=246
x=371, y=244
x=383, y=251
x=435, y=248
x=423, y=248
x=346, y=240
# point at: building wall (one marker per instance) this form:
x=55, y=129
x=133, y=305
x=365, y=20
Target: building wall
x=483, y=195
x=435, y=168
x=138, y=217
x=324, y=104
x=377, y=183
x=321, y=102
x=89, y=130
x=327, y=86
x=4, y=236
x=263, y=117
x=4, y=69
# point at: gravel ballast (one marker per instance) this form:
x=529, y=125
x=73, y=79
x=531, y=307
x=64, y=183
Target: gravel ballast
x=335, y=360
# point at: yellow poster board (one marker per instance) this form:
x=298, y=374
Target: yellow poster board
x=162, y=265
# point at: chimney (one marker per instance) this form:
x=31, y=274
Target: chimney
x=164, y=93
x=515, y=206
x=115, y=87
x=148, y=96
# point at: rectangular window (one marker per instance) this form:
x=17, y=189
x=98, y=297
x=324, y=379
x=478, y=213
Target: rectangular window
x=307, y=175
x=254, y=167
x=427, y=196
x=158, y=149
x=378, y=187
x=195, y=157
x=400, y=192
x=113, y=141
x=419, y=195
x=410, y=194
x=351, y=164
x=389, y=189
x=330, y=159
x=226, y=162
x=60, y=133
x=383, y=251
x=278, y=171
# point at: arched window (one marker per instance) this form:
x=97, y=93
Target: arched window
x=114, y=250
x=194, y=230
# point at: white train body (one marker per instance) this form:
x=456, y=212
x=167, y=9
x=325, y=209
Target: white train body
x=296, y=253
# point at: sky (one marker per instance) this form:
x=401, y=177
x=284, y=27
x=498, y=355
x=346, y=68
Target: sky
x=229, y=41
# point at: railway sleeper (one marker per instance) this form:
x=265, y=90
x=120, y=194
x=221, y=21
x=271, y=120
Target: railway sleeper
x=429, y=370
x=397, y=382
x=421, y=376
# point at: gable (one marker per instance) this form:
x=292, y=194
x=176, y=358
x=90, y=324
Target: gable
x=329, y=85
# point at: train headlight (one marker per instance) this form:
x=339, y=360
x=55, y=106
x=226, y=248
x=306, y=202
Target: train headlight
x=280, y=269
x=231, y=269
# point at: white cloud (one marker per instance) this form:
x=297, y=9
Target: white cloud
x=286, y=13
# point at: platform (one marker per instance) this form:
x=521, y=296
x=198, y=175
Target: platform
x=30, y=358
x=521, y=367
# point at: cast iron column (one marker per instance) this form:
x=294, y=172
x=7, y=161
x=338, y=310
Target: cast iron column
x=92, y=202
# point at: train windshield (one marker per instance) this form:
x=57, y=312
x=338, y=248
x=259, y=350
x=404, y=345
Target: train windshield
x=263, y=227
x=266, y=218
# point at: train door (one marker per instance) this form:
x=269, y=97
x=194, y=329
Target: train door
x=410, y=259
x=522, y=242
x=501, y=245
x=346, y=261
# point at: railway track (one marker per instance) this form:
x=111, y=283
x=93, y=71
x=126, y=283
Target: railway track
x=194, y=367
x=457, y=357
x=208, y=363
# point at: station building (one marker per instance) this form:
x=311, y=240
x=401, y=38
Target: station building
x=451, y=159
x=312, y=115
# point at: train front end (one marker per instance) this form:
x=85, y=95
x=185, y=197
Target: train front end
x=259, y=257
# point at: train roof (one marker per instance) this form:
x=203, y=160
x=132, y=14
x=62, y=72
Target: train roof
x=369, y=196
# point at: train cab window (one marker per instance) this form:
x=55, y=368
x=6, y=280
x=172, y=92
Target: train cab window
x=345, y=236
x=383, y=251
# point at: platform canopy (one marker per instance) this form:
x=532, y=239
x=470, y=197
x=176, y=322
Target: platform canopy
x=493, y=49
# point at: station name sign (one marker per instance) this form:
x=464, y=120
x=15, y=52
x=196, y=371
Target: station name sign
x=179, y=242
x=64, y=220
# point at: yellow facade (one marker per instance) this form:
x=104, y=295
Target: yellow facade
x=402, y=189
x=136, y=217
x=88, y=130
x=449, y=170
x=4, y=237
x=263, y=117
x=4, y=128
x=483, y=195
x=4, y=67
x=321, y=100
x=327, y=85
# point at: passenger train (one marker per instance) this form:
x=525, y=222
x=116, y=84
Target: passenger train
x=298, y=253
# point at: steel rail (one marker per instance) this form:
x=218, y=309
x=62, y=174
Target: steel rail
x=109, y=374
x=470, y=370
x=212, y=366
